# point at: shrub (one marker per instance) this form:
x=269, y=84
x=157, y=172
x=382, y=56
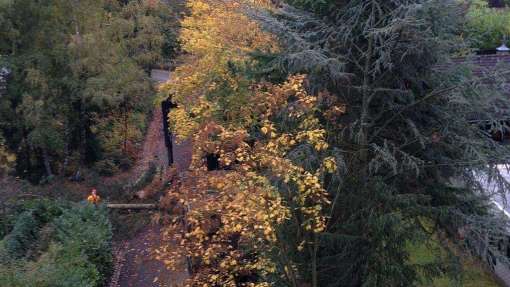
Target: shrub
x=126, y=162
x=60, y=266
x=78, y=251
x=106, y=167
x=87, y=229
x=32, y=216
x=123, y=160
x=23, y=235
x=146, y=177
x=68, y=266
x=487, y=28
x=7, y=221
x=44, y=210
x=13, y=274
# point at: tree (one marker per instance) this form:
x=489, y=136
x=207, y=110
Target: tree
x=486, y=28
x=407, y=131
x=6, y=158
x=229, y=206
x=78, y=79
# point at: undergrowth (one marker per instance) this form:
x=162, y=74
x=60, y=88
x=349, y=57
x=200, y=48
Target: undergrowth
x=53, y=244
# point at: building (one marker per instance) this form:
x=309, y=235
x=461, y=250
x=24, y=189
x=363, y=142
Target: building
x=492, y=70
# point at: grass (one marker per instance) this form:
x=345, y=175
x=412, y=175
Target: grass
x=473, y=274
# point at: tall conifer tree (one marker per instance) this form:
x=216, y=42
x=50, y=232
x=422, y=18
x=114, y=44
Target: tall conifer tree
x=410, y=132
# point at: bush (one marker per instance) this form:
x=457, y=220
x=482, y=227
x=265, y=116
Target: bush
x=487, y=28
x=106, y=167
x=60, y=266
x=87, y=229
x=25, y=232
x=23, y=235
x=13, y=274
x=78, y=252
x=44, y=210
x=146, y=177
x=7, y=220
x=67, y=266
x=125, y=162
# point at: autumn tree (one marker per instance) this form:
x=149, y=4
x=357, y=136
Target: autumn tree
x=7, y=159
x=361, y=157
x=228, y=214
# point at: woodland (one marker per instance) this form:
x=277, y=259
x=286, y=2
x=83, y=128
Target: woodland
x=314, y=142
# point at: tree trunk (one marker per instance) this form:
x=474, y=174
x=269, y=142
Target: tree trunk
x=46, y=159
x=125, y=131
x=166, y=106
x=83, y=131
x=315, y=274
x=132, y=206
x=366, y=99
x=66, y=153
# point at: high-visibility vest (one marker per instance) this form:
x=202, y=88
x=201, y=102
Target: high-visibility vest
x=93, y=199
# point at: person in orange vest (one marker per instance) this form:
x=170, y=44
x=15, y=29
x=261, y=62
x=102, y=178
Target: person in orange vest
x=93, y=197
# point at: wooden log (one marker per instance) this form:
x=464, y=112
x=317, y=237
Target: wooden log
x=132, y=206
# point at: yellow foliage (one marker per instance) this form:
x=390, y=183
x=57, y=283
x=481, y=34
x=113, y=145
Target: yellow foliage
x=230, y=217
x=7, y=159
x=215, y=35
x=238, y=207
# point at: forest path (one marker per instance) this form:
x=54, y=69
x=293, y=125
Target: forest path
x=134, y=262
x=137, y=267
x=154, y=148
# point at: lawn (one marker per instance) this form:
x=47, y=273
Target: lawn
x=473, y=275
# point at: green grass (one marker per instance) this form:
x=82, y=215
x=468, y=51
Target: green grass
x=473, y=274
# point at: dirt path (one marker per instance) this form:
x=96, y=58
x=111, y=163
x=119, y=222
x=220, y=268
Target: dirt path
x=154, y=150
x=182, y=155
x=135, y=265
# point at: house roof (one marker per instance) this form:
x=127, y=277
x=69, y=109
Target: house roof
x=484, y=64
x=487, y=68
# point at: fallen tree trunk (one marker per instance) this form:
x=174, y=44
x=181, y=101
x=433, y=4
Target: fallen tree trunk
x=132, y=206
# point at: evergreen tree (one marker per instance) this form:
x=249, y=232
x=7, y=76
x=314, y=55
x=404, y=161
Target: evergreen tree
x=409, y=132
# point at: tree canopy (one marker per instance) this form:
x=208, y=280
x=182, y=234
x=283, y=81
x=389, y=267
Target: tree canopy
x=352, y=134
x=78, y=92
x=328, y=136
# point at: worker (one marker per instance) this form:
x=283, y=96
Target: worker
x=93, y=197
